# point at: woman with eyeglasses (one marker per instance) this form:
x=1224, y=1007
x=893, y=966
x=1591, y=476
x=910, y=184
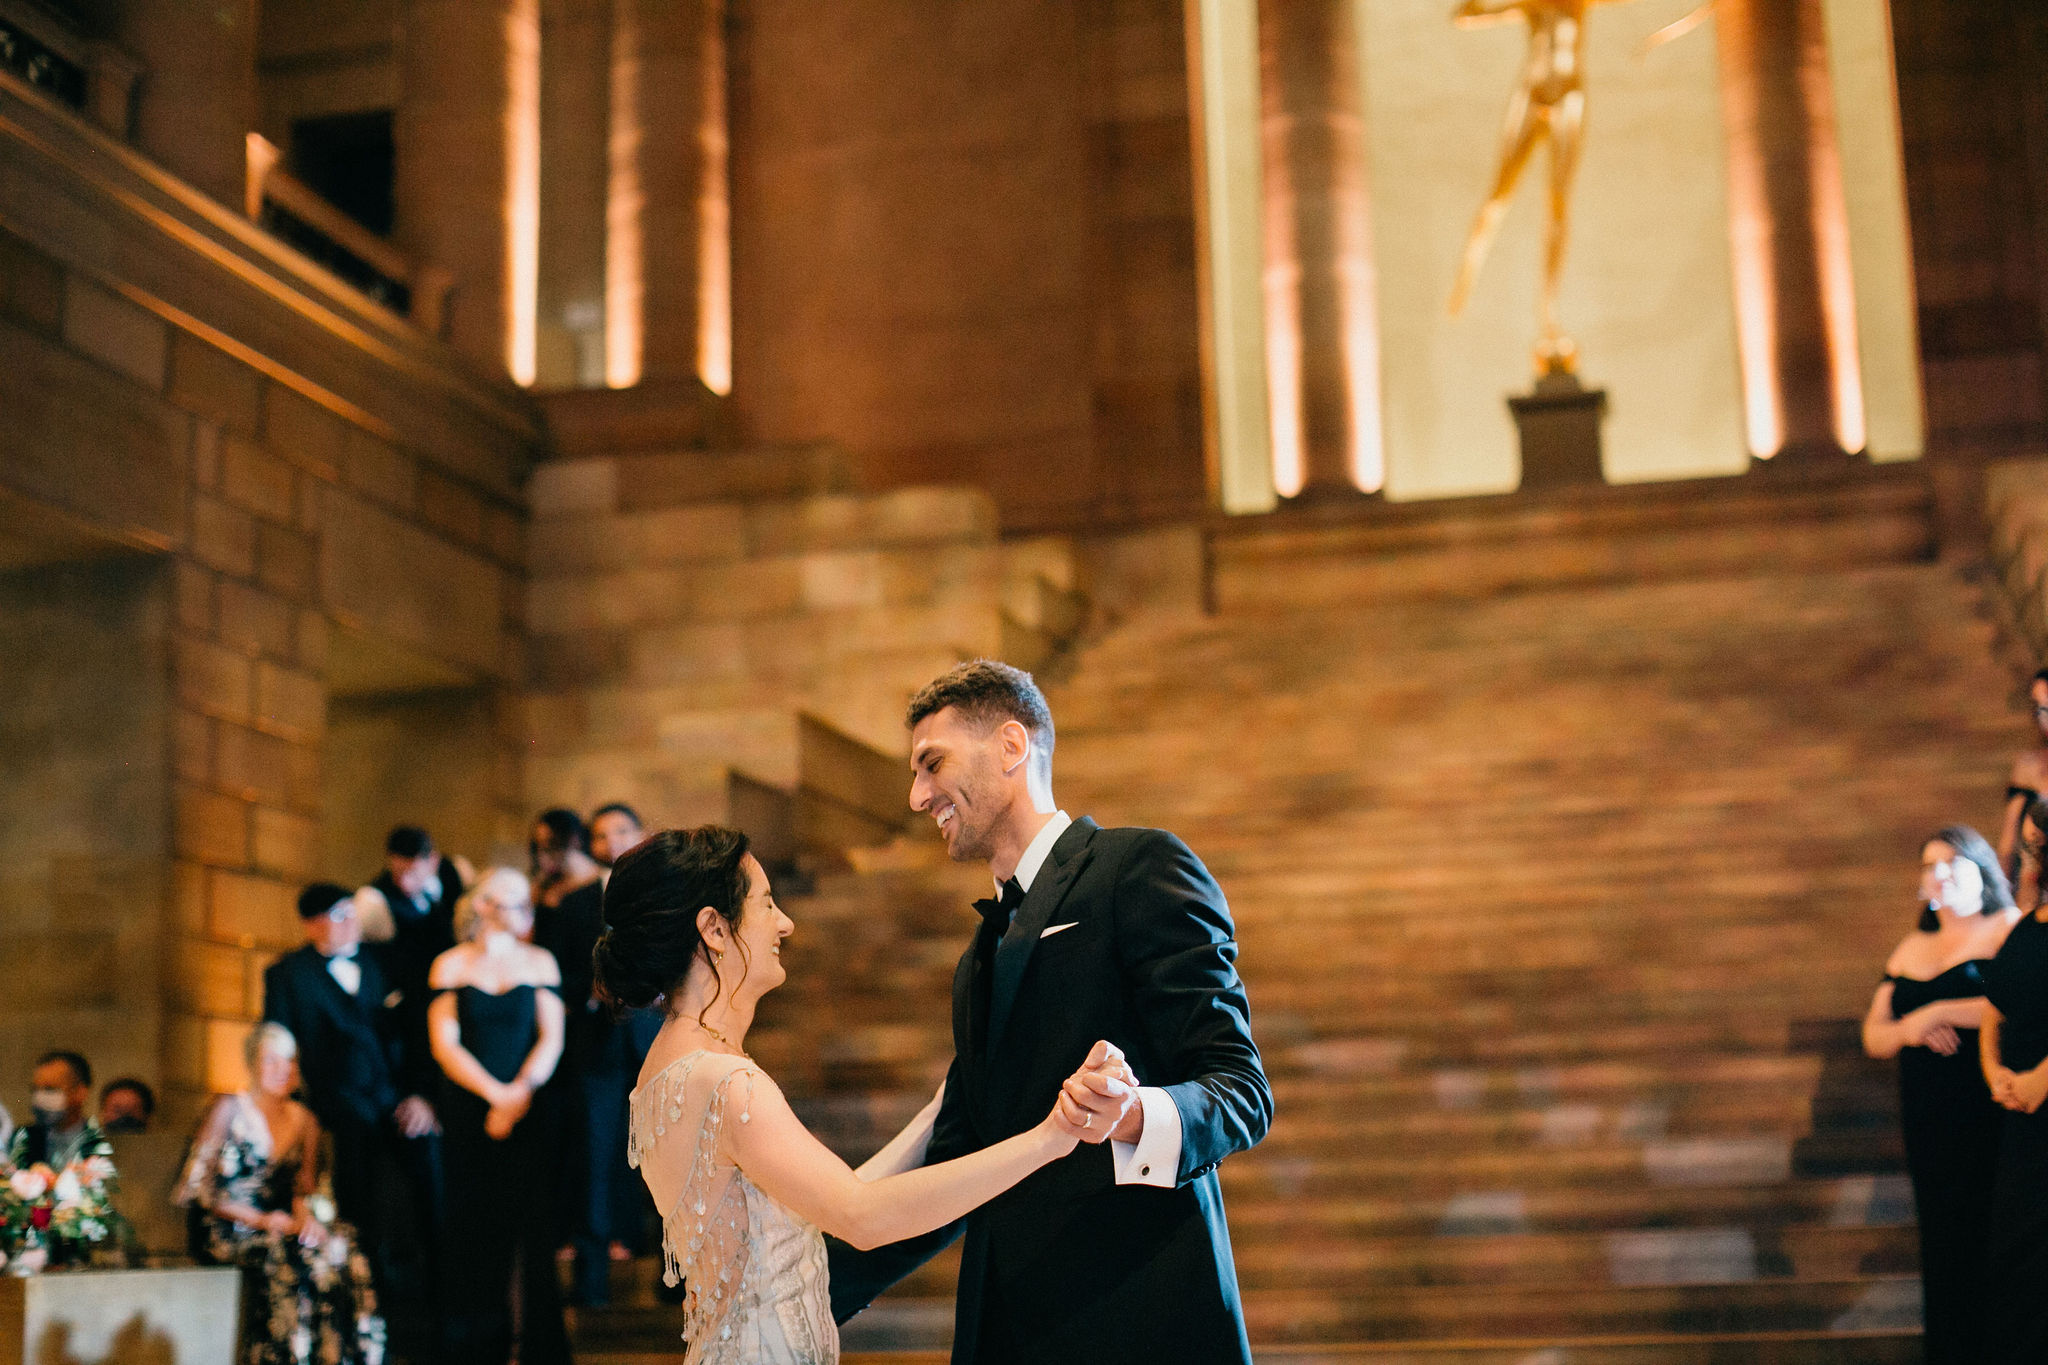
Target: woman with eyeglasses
x=2014, y=1051
x=2029, y=778
x=1925, y=1013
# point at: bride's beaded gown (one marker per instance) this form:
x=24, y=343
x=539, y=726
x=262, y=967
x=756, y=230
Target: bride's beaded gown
x=754, y=1273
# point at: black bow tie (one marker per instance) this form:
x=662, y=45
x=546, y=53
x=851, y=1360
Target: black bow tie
x=997, y=912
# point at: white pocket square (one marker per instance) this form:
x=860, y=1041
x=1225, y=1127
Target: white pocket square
x=1059, y=928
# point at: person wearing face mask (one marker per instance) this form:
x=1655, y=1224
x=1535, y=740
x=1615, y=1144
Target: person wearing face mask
x=1926, y=1013
x=62, y=1131
x=496, y=1024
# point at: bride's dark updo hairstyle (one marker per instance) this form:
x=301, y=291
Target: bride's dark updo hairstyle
x=650, y=911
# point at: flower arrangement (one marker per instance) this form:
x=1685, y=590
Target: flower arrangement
x=59, y=1216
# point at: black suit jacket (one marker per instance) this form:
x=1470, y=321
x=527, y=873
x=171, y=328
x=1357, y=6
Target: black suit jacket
x=570, y=931
x=407, y=958
x=345, y=1043
x=1069, y=1265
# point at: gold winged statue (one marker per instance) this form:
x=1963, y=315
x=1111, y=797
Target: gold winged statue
x=1548, y=106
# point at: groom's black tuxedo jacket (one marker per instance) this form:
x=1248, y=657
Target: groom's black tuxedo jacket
x=1069, y=1265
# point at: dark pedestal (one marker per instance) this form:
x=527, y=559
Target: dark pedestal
x=1560, y=427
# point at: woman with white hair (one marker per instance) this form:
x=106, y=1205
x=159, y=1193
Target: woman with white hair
x=250, y=1180
x=496, y=1028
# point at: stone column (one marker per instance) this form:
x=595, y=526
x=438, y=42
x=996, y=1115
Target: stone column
x=468, y=183
x=1794, y=285
x=1322, y=342
x=668, y=240
x=576, y=73
x=196, y=100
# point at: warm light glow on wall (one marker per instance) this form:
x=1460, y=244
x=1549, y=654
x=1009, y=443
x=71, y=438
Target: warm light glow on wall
x=624, y=250
x=1356, y=283
x=1756, y=302
x=522, y=186
x=1283, y=347
x=714, y=213
x=1223, y=91
x=1837, y=289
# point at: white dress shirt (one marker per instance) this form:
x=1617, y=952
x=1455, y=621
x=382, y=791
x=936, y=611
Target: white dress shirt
x=346, y=971
x=1154, y=1159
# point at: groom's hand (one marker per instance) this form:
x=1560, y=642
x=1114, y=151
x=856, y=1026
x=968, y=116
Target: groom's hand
x=1103, y=1097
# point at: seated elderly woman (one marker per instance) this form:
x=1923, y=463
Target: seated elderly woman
x=306, y=1292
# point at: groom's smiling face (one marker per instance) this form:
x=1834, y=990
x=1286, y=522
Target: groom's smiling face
x=957, y=778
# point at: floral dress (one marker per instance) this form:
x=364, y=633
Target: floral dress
x=300, y=1305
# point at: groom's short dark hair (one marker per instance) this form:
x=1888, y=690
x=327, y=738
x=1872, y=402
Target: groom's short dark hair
x=986, y=693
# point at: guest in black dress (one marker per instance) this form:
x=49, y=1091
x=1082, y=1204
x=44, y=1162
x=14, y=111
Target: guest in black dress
x=497, y=1035
x=2014, y=1049
x=1925, y=1013
x=2029, y=777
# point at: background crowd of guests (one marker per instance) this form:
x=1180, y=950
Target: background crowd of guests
x=435, y=1116
x=1963, y=1006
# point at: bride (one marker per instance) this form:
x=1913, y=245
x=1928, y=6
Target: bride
x=744, y=1188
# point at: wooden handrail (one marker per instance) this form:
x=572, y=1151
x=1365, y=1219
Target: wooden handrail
x=269, y=182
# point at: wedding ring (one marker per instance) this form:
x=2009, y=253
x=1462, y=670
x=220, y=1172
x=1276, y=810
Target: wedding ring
x=1087, y=1120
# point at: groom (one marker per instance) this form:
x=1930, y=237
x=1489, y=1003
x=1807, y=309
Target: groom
x=1118, y=1252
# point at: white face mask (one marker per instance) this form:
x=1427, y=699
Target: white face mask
x=48, y=1104
x=1960, y=886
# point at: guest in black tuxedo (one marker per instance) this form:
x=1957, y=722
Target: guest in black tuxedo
x=1117, y=1252
x=408, y=915
x=339, y=1004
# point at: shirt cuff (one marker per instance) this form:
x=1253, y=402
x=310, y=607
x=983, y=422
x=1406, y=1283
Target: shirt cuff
x=1154, y=1159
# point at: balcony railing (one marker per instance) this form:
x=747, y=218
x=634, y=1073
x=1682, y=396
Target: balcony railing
x=297, y=213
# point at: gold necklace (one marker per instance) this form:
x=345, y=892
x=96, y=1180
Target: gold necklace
x=714, y=1033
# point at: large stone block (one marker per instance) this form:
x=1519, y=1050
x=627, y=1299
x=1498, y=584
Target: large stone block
x=246, y=910
x=284, y=561
x=283, y=844
x=207, y=978
x=256, y=622
x=907, y=516
x=397, y=580
x=31, y=285
x=573, y=488
x=223, y=537
x=380, y=469
x=671, y=535
x=251, y=764
x=117, y=333
x=253, y=478
x=84, y=439
x=448, y=506
x=212, y=679
x=210, y=383
x=306, y=433
x=207, y=827
x=192, y=588
x=289, y=702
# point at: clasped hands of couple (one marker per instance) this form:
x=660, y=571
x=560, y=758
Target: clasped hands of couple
x=1100, y=1100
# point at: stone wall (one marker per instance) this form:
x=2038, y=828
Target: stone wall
x=324, y=492
x=964, y=248
x=84, y=743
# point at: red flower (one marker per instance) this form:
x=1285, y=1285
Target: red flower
x=39, y=1216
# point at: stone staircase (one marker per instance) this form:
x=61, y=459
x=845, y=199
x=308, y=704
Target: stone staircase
x=1557, y=891
x=732, y=634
